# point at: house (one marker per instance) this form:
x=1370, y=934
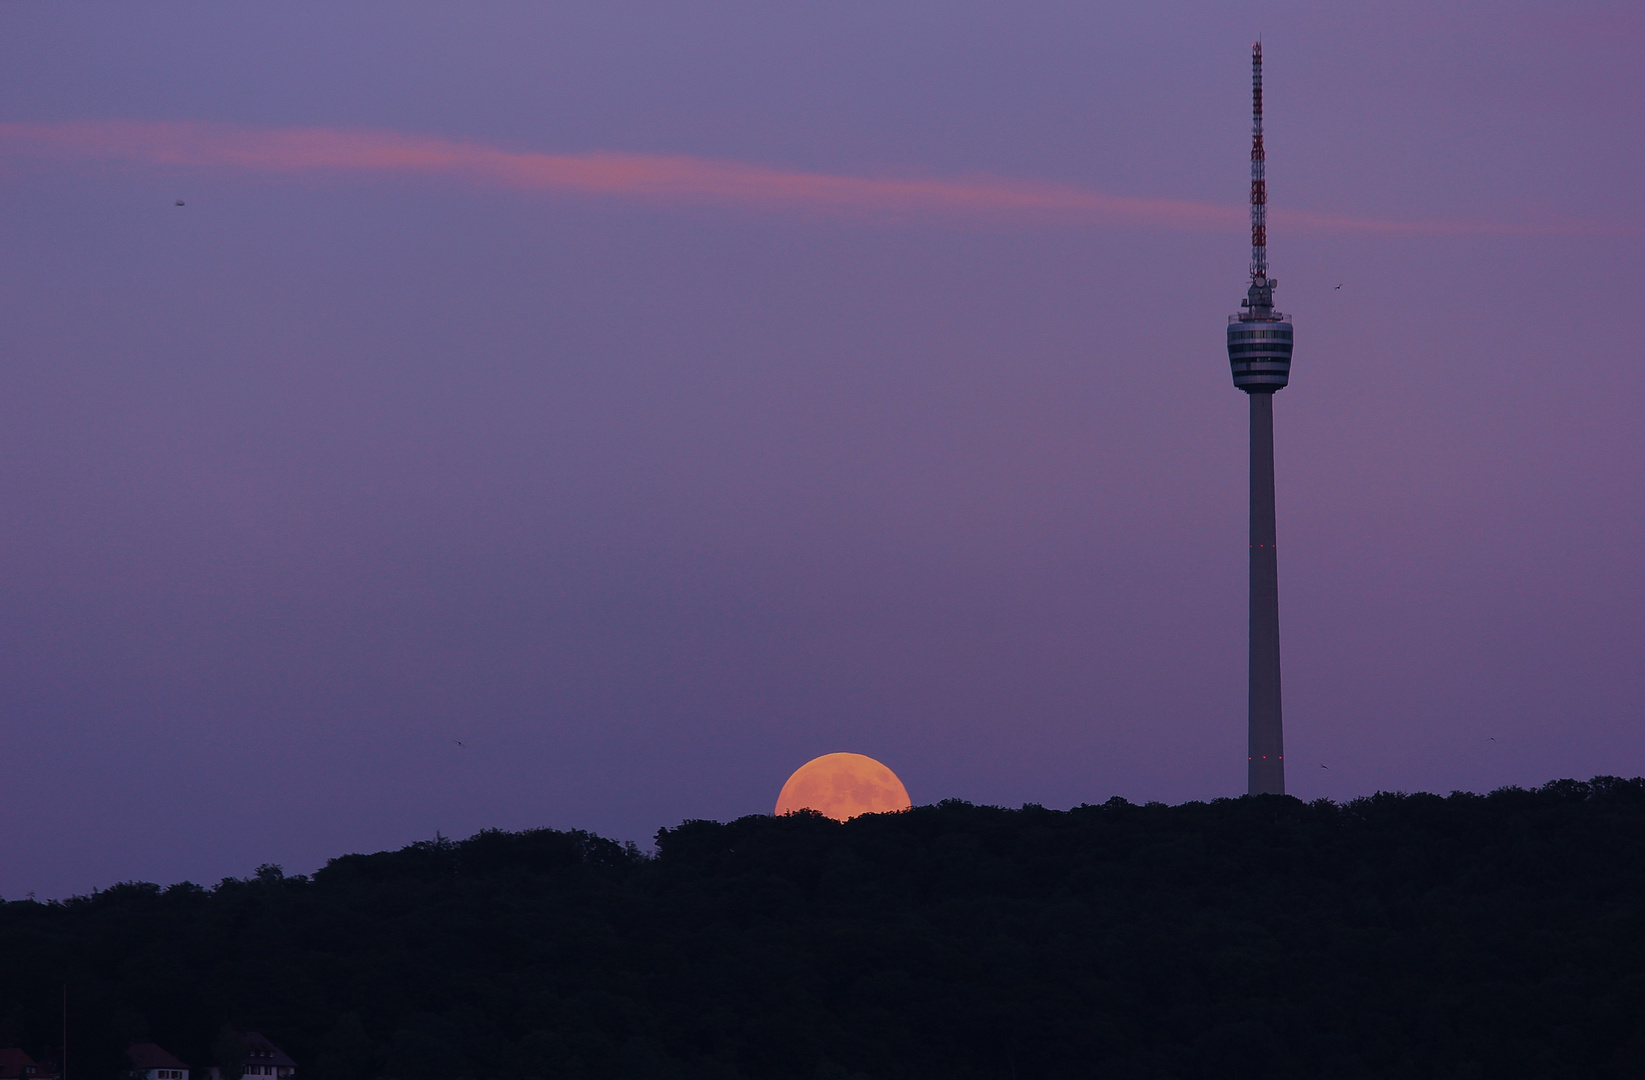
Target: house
x=16, y=1065
x=151, y=1062
x=262, y=1058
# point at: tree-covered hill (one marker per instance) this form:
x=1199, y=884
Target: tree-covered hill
x=1395, y=936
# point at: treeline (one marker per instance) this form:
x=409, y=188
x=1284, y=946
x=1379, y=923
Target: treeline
x=1394, y=936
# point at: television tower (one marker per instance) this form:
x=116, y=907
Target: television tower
x=1259, y=351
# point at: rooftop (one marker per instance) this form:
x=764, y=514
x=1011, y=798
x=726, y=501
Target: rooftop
x=150, y=1056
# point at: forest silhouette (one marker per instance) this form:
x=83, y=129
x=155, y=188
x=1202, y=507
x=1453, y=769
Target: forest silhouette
x=1498, y=935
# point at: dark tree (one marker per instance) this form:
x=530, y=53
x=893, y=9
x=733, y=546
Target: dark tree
x=1394, y=936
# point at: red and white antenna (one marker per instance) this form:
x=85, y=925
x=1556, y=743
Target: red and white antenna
x=1259, y=183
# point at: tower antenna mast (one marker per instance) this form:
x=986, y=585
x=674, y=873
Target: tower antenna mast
x=1259, y=178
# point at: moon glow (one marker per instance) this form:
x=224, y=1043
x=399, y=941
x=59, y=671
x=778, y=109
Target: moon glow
x=841, y=786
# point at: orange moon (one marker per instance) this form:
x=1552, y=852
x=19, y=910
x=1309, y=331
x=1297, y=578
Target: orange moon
x=841, y=786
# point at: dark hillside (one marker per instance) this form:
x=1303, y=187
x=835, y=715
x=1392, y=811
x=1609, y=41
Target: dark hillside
x=1396, y=936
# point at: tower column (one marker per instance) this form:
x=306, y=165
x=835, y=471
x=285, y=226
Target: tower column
x=1267, y=741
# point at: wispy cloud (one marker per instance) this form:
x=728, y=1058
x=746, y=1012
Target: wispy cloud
x=651, y=178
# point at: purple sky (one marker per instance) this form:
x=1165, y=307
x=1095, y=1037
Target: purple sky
x=887, y=411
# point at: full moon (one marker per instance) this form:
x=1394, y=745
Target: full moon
x=841, y=786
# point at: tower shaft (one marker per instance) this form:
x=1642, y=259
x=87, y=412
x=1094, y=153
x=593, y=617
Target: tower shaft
x=1266, y=737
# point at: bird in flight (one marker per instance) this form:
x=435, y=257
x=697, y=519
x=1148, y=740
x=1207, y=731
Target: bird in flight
x=1339, y=287
x=179, y=202
x=1325, y=766
x=459, y=742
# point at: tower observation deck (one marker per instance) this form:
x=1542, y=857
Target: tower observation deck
x=1259, y=352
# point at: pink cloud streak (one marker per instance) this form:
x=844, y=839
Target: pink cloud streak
x=652, y=178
